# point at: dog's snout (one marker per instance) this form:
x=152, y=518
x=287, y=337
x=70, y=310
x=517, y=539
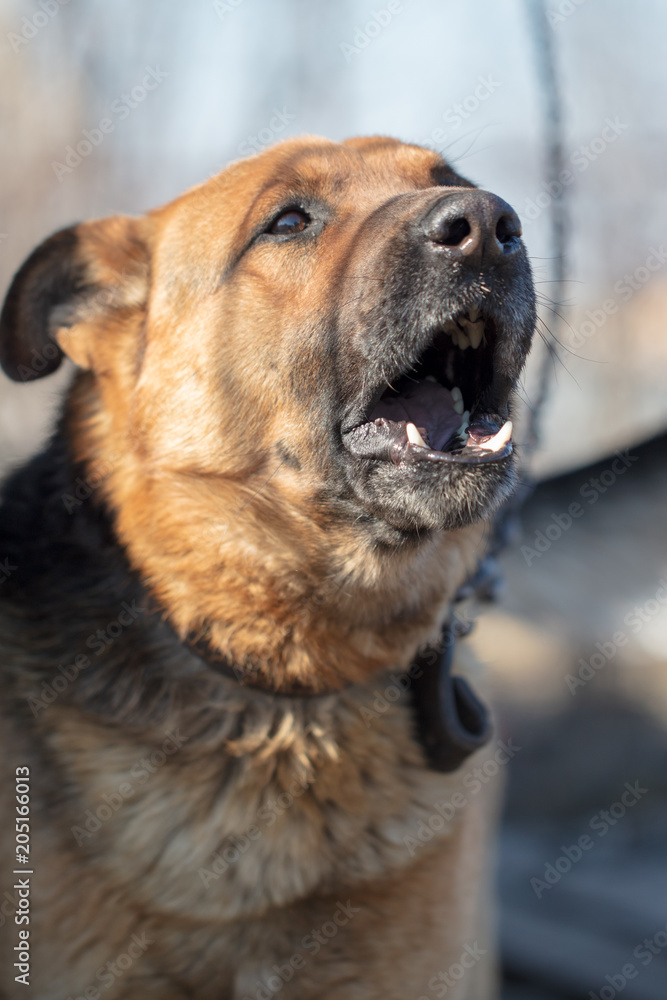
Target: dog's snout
x=475, y=225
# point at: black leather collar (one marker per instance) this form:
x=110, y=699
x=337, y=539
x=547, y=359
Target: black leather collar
x=450, y=720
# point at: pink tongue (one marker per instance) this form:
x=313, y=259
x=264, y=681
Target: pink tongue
x=427, y=405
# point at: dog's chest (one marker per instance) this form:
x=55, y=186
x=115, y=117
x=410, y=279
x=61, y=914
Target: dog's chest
x=197, y=826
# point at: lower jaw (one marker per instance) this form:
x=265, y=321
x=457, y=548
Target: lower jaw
x=488, y=440
x=404, y=503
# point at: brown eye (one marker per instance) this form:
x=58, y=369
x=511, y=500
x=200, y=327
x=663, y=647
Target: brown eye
x=292, y=221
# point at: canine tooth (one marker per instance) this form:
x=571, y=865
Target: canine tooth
x=500, y=439
x=454, y=334
x=414, y=437
x=457, y=398
x=463, y=340
x=475, y=334
x=431, y=378
x=473, y=314
x=465, y=420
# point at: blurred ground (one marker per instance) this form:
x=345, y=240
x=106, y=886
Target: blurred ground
x=578, y=656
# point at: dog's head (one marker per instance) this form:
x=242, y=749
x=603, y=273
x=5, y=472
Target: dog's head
x=357, y=312
x=324, y=333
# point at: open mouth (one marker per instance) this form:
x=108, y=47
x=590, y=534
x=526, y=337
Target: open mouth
x=441, y=409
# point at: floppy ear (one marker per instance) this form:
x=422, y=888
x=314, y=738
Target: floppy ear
x=74, y=280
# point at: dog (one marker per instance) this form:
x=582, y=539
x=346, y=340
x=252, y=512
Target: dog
x=228, y=717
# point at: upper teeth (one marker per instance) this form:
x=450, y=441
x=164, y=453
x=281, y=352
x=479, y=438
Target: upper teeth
x=475, y=334
x=414, y=436
x=467, y=332
x=500, y=439
x=457, y=398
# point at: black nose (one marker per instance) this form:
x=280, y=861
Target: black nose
x=474, y=225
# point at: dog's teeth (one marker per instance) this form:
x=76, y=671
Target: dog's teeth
x=473, y=314
x=414, y=437
x=458, y=336
x=500, y=439
x=465, y=420
x=475, y=333
x=431, y=378
x=457, y=398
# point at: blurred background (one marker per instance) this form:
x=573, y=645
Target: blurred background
x=577, y=642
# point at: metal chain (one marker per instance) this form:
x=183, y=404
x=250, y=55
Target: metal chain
x=486, y=583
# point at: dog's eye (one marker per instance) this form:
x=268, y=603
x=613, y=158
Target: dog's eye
x=291, y=221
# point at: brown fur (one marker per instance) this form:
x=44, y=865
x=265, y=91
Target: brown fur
x=198, y=400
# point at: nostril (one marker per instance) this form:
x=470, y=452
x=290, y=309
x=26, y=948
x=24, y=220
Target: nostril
x=475, y=225
x=507, y=229
x=454, y=232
